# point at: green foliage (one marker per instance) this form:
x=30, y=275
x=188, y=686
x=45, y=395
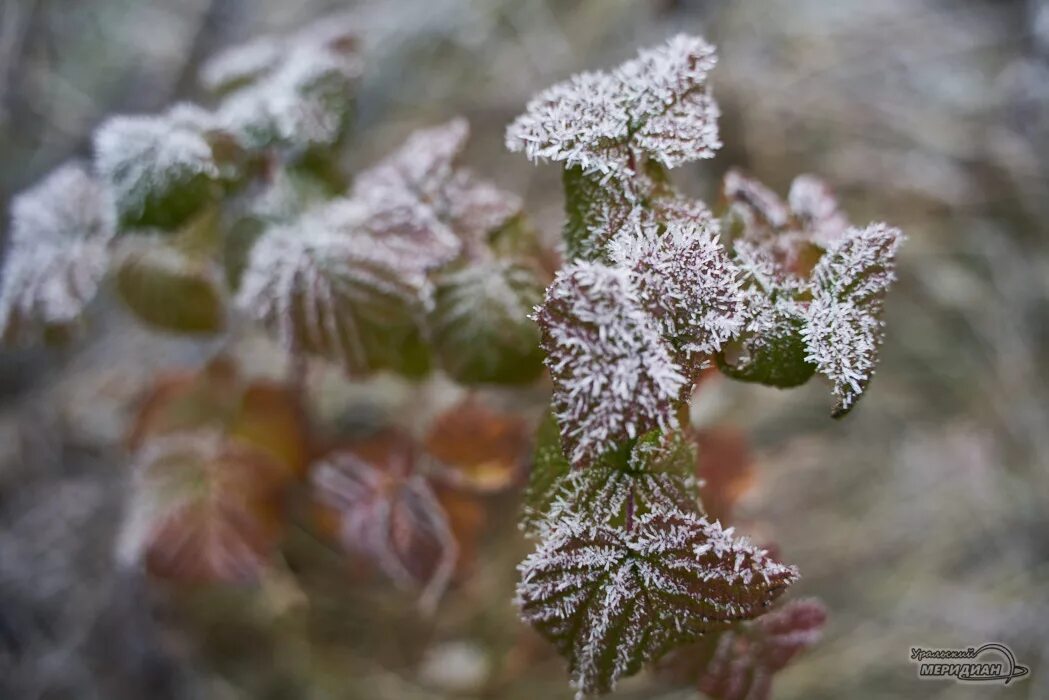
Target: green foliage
x=480, y=325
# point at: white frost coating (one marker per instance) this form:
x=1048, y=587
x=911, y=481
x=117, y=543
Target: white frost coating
x=241, y=63
x=142, y=155
x=422, y=180
x=392, y=519
x=611, y=600
x=843, y=322
x=302, y=102
x=314, y=282
x=57, y=252
x=816, y=210
x=685, y=280
x=656, y=106
x=294, y=90
x=614, y=376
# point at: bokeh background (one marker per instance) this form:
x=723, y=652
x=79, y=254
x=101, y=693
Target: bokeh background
x=921, y=519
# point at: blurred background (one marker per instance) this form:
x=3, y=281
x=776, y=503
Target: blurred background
x=921, y=520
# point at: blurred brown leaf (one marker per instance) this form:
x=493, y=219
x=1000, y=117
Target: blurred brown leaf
x=386, y=512
x=478, y=449
x=205, y=509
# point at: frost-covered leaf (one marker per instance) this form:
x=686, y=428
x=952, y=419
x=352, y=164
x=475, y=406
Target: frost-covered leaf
x=161, y=168
x=843, y=323
x=328, y=285
x=673, y=117
x=423, y=182
x=657, y=474
x=480, y=325
x=204, y=508
x=241, y=65
x=653, y=472
x=478, y=449
x=611, y=600
x=614, y=375
x=760, y=207
x=655, y=106
x=387, y=513
x=815, y=208
x=294, y=91
x=770, y=348
x=57, y=253
x=594, y=212
x=742, y=663
x=685, y=281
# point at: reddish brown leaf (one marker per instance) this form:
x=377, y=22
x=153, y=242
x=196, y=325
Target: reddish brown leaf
x=387, y=513
x=204, y=509
x=262, y=414
x=744, y=662
x=481, y=450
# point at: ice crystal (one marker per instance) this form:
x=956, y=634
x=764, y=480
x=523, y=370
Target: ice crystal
x=157, y=165
x=328, y=284
x=614, y=375
x=685, y=280
x=843, y=329
x=388, y=513
x=655, y=107
x=57, y=252
x=611, y=600
x=423, y=181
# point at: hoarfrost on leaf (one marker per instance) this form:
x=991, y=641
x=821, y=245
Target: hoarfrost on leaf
x=844, y=327
x=293, y=91
x=614, y=375
x=329, y=285
x=57, y=252
x=685, y=280
x=743, y=662
x=423, y=181
x=159, y=166
x=655, y=107
x=611, y=600
x=480, y=325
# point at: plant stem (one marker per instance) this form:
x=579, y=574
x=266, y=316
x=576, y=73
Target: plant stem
x=630, y=510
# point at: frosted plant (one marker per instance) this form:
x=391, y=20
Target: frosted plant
x=204, y=508
x=742, y=663
x=387, y=512
x=480, y=326
x=656, y=106
x=58, y=252
x=614, y=375
x=655, y=288
x=813, y=286
x=158, y=167
x=612, y=599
